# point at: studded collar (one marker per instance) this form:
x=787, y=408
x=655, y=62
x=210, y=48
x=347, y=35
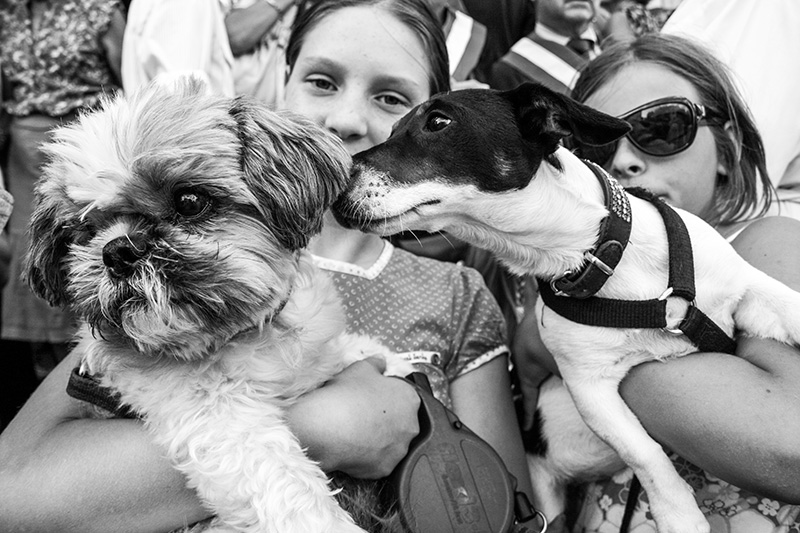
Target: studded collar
x=600, y=262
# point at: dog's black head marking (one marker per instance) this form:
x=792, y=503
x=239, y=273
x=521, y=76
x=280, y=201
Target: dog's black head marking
x=492, y=139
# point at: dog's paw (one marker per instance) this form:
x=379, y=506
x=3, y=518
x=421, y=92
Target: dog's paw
x=680, y=514
x=397, y=365
x=359, y=347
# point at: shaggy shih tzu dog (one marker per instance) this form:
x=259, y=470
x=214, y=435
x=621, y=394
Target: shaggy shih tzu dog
x=173, y=222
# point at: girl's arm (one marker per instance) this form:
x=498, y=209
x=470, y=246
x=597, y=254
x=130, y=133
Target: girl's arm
x=737, y=417
x=60, y=472
x=483, y=402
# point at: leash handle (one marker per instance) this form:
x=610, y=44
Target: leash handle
x=452, y=480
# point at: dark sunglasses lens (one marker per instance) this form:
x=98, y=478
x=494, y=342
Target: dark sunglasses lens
x=601, y=154
x=662, y=130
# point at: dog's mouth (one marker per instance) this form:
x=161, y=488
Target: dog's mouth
x=393, y=223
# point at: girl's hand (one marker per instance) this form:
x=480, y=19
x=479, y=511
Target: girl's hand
x=360, y=423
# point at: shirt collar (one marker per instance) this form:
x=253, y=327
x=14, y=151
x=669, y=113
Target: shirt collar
x=551, y=35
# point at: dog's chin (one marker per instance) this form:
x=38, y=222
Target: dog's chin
x=385, y=224
x=176, y=333
x=162, y=322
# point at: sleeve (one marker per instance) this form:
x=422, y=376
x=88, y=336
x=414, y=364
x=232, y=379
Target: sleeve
x=478, y=325
x=169, y=38
x=758, y=40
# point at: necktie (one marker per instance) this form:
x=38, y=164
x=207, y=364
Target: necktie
x=581, y=46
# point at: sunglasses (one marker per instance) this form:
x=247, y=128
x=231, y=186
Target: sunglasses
x=663, y=127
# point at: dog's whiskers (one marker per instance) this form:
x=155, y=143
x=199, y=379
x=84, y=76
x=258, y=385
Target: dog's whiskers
x=128, y=237
x=86, y=210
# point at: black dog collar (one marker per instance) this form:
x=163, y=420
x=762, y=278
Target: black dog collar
x=615, y=230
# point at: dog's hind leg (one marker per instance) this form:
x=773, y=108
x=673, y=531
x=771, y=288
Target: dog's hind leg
x=565, y=450
x=672, y=503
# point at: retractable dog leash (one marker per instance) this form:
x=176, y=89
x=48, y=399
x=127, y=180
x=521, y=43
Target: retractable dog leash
x=452, y=481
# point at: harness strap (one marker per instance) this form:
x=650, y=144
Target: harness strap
x=650, y=314
x=630, y=506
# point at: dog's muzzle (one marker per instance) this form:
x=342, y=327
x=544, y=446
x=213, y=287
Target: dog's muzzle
x=121, y=254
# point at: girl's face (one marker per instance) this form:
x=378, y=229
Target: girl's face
x=687, y=179
x=358, y=71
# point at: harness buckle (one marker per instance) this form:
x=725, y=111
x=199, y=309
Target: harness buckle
x=675, y=331
x=672, y=331
x=556, y=290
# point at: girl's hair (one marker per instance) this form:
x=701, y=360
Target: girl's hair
x=416, y=14
x=739, y=194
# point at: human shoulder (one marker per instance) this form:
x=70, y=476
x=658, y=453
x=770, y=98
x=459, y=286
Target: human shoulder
x=772, y=244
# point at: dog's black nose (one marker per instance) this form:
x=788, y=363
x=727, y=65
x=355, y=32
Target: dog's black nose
x=120, y=254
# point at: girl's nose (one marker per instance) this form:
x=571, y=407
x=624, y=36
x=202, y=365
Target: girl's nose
x=627, y=162
x=347, y=118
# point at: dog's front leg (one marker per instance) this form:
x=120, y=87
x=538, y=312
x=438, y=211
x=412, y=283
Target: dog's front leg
x=250, y=470
x=672, y=503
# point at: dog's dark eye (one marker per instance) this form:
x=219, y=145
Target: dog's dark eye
x=437, y=123
x=190, y=203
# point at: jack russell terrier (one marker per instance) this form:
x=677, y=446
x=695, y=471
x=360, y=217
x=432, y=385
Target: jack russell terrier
x=617, y=288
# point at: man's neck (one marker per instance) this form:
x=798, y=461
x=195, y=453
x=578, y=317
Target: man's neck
x=565, y=30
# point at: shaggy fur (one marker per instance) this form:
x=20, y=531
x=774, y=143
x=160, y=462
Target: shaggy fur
x=174, y=223
x=486, y=167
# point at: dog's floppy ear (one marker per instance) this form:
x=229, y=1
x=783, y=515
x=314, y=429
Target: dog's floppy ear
x=546, y=116
x=50, y=233
x=295, y=168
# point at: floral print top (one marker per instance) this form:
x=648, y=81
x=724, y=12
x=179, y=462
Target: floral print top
x=728, y=509
x=57, y=65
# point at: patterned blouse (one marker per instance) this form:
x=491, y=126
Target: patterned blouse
x=440, y=316
x=60, y=65
x=728, y=509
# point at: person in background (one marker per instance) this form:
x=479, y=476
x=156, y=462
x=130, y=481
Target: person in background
x=563, y=41
x=465, y=39
x=57, y=59
x=177, y=37
x=731, y=422
x=356, y=66
x=506, y=22
x=258, y=31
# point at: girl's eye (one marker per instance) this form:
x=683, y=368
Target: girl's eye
x=392, y=100
x=322, y=84
x=190, y=203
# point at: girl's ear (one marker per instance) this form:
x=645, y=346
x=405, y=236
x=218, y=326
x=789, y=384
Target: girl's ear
x=736, y=142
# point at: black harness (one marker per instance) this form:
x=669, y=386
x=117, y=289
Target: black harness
x=572, y=295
